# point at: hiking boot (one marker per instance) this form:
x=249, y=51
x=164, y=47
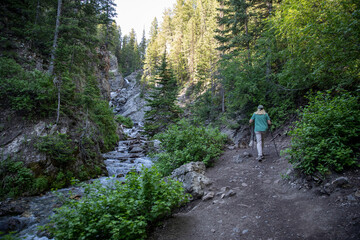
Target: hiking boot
x=260, y=158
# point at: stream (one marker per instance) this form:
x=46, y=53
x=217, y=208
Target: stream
x=129, y=154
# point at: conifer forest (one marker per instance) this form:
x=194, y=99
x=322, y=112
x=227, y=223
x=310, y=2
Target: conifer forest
x=95, y=122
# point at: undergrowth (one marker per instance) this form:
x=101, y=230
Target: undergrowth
x=183, y=143
x=327, y=135
x=121, y=211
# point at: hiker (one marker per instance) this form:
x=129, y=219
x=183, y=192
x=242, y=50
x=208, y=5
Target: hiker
x=262, y=121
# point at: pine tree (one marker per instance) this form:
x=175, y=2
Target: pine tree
x=152, y=58
x=162, y=101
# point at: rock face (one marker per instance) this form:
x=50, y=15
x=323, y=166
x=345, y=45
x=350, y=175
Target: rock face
x=128, y=100
x=102, y=72
x=116, y=80
x=193, y=178
x=239, y=136
x=18, y=136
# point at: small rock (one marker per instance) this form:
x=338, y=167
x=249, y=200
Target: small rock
x=224, y=189
x=208, y=196
x=245, y=231
x=267, y=181
x=136, y=150
x=230, y=193
x=213, y=230
x=357, y=193
x=351, y=198
x=244, y=185
x=340, y=182
x=328, y=188
x=236, y=230
x=231, y=147
x=75, y=197
x=238, y=159
x=246, y=154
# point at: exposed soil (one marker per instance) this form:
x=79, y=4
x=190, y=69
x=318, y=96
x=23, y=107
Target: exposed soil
x=268, y=204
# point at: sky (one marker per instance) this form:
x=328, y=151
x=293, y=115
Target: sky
x=139, y=14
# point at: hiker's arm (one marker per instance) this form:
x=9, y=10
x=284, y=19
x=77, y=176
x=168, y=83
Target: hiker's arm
x=250, y=121
x=269, y=122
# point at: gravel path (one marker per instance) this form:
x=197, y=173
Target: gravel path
x=267, y=205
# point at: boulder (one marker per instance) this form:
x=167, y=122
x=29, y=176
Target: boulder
x=193, y=178
x=340, y=182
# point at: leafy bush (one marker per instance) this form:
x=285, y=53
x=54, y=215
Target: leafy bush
x=27, y=92
x=122, y=211
x=41, y=184
x=15, y=179
x=104, y=119
x=327, y=135
x=58, y=148
x=183, y=143
x=62, y=179
x=126, y=121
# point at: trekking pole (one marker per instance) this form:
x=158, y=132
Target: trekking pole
x=251, y=144
x=253, y=133
x=273, y=139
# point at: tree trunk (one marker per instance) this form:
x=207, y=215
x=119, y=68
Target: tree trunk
x=53, y=50
x=37, y=12
x=268, y=62
x=57, y=83
x=222, y=99
x=247, y=35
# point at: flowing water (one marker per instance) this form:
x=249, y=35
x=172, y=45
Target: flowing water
x=128, y=155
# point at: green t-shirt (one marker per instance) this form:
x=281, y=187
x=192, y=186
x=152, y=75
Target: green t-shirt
x=261, y=124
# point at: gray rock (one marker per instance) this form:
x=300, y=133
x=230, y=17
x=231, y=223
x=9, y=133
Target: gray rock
x=247, y=155
x=357, y=193
x=198, y=167
x=238, y=159
x=230, y=193
x=340, y=182
x=136, y=150
x=224, y=189
x=328, y=188
x=193, y=178
x=208, y=196
x=351, y=198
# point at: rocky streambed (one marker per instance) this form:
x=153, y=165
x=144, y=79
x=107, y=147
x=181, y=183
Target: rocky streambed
x=24, y=215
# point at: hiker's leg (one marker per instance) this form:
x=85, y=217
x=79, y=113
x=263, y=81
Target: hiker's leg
x=262, y=142
x=259, y=143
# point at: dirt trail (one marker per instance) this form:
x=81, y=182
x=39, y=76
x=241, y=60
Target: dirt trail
x=267, y=205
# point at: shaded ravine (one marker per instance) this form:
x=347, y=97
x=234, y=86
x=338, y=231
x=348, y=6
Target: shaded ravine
x=26, y=214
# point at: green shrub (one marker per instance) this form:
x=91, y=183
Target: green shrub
x=104, y=118
x=122, y=211
x=15, y=179
x=327, y=135
x=62, y=179
x=58, y=148
x=183, y=143
x=126, y=121
x=32, y=93
x=41, y=184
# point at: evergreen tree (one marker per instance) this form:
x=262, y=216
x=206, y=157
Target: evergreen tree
x=130, y=56
x=162, y=101
x=152, y=58
x=142, y=48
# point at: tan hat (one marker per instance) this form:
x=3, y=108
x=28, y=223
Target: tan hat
x=260, y=107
